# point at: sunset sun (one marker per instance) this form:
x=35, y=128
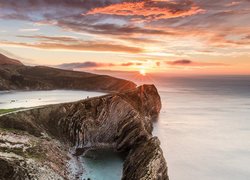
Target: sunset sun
x=142, y=72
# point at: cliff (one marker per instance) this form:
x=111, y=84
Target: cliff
x=4, y=60
x=121, y=122
x=16, y=76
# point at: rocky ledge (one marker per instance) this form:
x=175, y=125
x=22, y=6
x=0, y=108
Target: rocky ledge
x=35, y=144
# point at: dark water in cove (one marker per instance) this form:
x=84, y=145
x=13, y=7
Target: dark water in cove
x=204, y=127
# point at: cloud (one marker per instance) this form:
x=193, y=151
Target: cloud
x=179, y=62
x=77, y=46
x=52, y=38
x=27, y=6
x=138, y=40
x=157, y=21
x=67, y=15
x=78, y=65
x=93, y=64
x=149, y=9
x=14, y=15
x=127, y=64
x=110, y=29
x=234, y=3
x=186, y=62
x=29, y=30
x=247, y=37
x=229, y=40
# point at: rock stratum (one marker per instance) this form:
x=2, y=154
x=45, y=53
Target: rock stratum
x=35, y=143
x=16, y=76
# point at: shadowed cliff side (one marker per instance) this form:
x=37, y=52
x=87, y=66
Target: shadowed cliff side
x=121, y=122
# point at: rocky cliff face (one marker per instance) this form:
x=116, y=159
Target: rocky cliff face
x=121, y=122
x=16, y=76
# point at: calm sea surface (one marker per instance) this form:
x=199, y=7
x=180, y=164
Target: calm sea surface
x=204, y=127
x=25, y=99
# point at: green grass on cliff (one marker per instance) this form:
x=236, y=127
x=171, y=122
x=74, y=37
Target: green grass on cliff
x=4, y=111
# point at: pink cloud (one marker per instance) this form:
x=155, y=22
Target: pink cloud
x=150, y=9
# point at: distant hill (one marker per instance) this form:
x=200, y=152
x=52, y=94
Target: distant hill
x=16, y=76
x=4, y=60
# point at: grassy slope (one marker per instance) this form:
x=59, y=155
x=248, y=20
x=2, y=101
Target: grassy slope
x=4, y=111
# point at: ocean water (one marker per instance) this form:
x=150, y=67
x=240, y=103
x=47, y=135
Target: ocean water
x=204, y=127
x=97, y=165
x=27, y=99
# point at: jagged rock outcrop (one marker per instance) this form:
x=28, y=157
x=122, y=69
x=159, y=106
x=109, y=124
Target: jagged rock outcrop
x=121, y=122
x=16, y=76
x=145, y=162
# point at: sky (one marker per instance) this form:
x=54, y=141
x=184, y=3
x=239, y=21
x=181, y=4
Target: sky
x=146, y=36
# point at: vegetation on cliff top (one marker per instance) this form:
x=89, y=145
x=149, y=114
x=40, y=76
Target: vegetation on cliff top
x=5, y=111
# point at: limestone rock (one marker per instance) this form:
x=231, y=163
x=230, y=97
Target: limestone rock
x=120, y=121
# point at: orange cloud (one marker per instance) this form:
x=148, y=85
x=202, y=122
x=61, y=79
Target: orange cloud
x=150, y=9
x=78, y=46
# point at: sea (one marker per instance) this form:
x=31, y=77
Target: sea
x=204, y=126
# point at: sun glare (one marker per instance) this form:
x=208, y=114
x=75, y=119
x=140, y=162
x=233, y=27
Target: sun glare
x=143, y=72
